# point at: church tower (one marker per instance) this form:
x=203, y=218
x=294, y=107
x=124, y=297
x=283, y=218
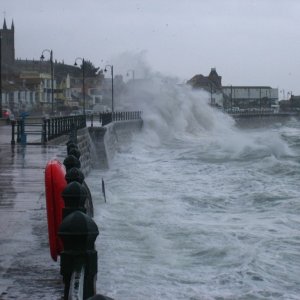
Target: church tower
x=7, y=47
x=215, y=78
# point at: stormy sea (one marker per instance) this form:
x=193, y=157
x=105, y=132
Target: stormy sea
x=198, y=208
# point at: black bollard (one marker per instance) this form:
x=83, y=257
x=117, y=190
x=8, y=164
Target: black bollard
x=71, y=162
x=70, y=141
x=73, y=132
x=71, y=145
x=78, y=233
x=74, y=174
x=74, y=196
x=75, y=152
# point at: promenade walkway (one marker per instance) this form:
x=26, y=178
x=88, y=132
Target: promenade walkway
x=26, y=268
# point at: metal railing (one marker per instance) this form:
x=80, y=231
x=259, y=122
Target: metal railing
x=24, y=130
x=55, y=127
x=108, y=117
x=252, y=114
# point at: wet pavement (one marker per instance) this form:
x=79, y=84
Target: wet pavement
x=26, y=268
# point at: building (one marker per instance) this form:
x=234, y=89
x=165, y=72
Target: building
x=17, y=97
x=211, y=83
x=7, y=48
x=35, y=77
x=40, y=84
x=291, y=105
x=245, y=97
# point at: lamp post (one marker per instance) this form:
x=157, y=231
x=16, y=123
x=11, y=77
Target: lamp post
x=132, y=71
x=83, y=80
x=231, y=97
x=52, y=76
x=260, y=99
x=211, y=92
x=1, y=76
x=112, y=85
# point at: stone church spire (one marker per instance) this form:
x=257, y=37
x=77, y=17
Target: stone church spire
x=7, y=47
x=4, y=24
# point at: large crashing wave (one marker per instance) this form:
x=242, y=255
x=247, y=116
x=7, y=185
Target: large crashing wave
x=176, y=111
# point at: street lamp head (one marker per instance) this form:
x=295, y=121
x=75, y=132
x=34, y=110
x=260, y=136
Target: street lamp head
x=49, y=51
x=79, y=58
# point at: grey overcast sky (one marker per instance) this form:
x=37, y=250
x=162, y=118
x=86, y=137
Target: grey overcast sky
x=249, y=42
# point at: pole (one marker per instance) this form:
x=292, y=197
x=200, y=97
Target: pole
x=83, y=81
x=211, y=94
x=52, y=82
x=231, y=97
x=103, y=190
x=260, y=99
x=112, y=89
x=1, y=76
x=13, y=124
x=83, y=85
x=112, y=85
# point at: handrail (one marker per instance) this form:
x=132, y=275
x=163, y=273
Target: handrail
x=108, y=117
x=51, y=128
x=47, y=129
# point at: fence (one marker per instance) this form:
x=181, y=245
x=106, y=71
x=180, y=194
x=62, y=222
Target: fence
x=106, y=118
x=255, y=114
x=258, y=112
x=25, y=130
x=39, y=131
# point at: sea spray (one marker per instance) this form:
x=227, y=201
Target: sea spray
x=176, y=111
x=199, y=209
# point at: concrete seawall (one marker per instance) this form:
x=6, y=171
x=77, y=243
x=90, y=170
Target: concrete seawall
x=106, y=140
x=98, y=145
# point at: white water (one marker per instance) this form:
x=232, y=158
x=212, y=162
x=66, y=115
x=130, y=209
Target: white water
x=198, y=209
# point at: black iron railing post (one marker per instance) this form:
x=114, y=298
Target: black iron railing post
x=92, y=120
x=18, y=131
x=56, y=126
x=48, y=128
x=13, y=124
x=52, y=128
x=44, y=132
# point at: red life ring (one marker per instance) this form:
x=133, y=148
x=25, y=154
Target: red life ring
x=55, y=183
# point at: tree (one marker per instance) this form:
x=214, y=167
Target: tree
x=89, y=69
